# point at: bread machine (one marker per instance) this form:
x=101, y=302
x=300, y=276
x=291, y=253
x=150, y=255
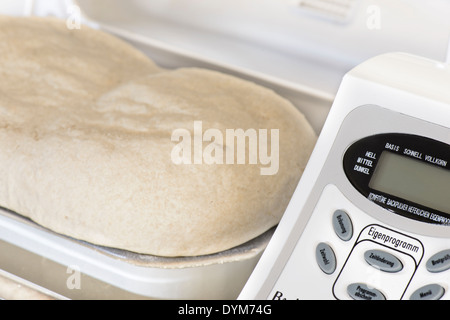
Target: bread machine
x=370, y=218
x=301, y=49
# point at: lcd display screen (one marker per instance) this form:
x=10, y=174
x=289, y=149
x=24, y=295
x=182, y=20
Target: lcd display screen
x=413, y=180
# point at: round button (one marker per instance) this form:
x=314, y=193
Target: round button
x=360, y=291
x=383, y=261
x=342, y=225
x=325, y=257
x=428, y=292
x=439, y=262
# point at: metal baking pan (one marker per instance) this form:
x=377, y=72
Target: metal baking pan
x=66, y=268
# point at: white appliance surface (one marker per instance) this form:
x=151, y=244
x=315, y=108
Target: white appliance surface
x=299, y=48
x=340, y=232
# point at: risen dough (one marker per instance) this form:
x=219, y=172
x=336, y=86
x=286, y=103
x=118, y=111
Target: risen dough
x=85, y=139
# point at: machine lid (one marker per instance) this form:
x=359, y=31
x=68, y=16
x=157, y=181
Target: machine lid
x=307, y=44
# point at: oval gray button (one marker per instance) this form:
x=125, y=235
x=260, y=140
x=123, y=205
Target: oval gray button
x=360, y=291
x=439, y=262
x=383, y=260
x=429, y=292
x=325, y=258
x=342, y=225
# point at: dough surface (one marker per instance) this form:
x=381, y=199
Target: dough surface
x=85, y=138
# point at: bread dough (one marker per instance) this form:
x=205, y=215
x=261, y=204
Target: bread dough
x=43, y=63
x=86, y=125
